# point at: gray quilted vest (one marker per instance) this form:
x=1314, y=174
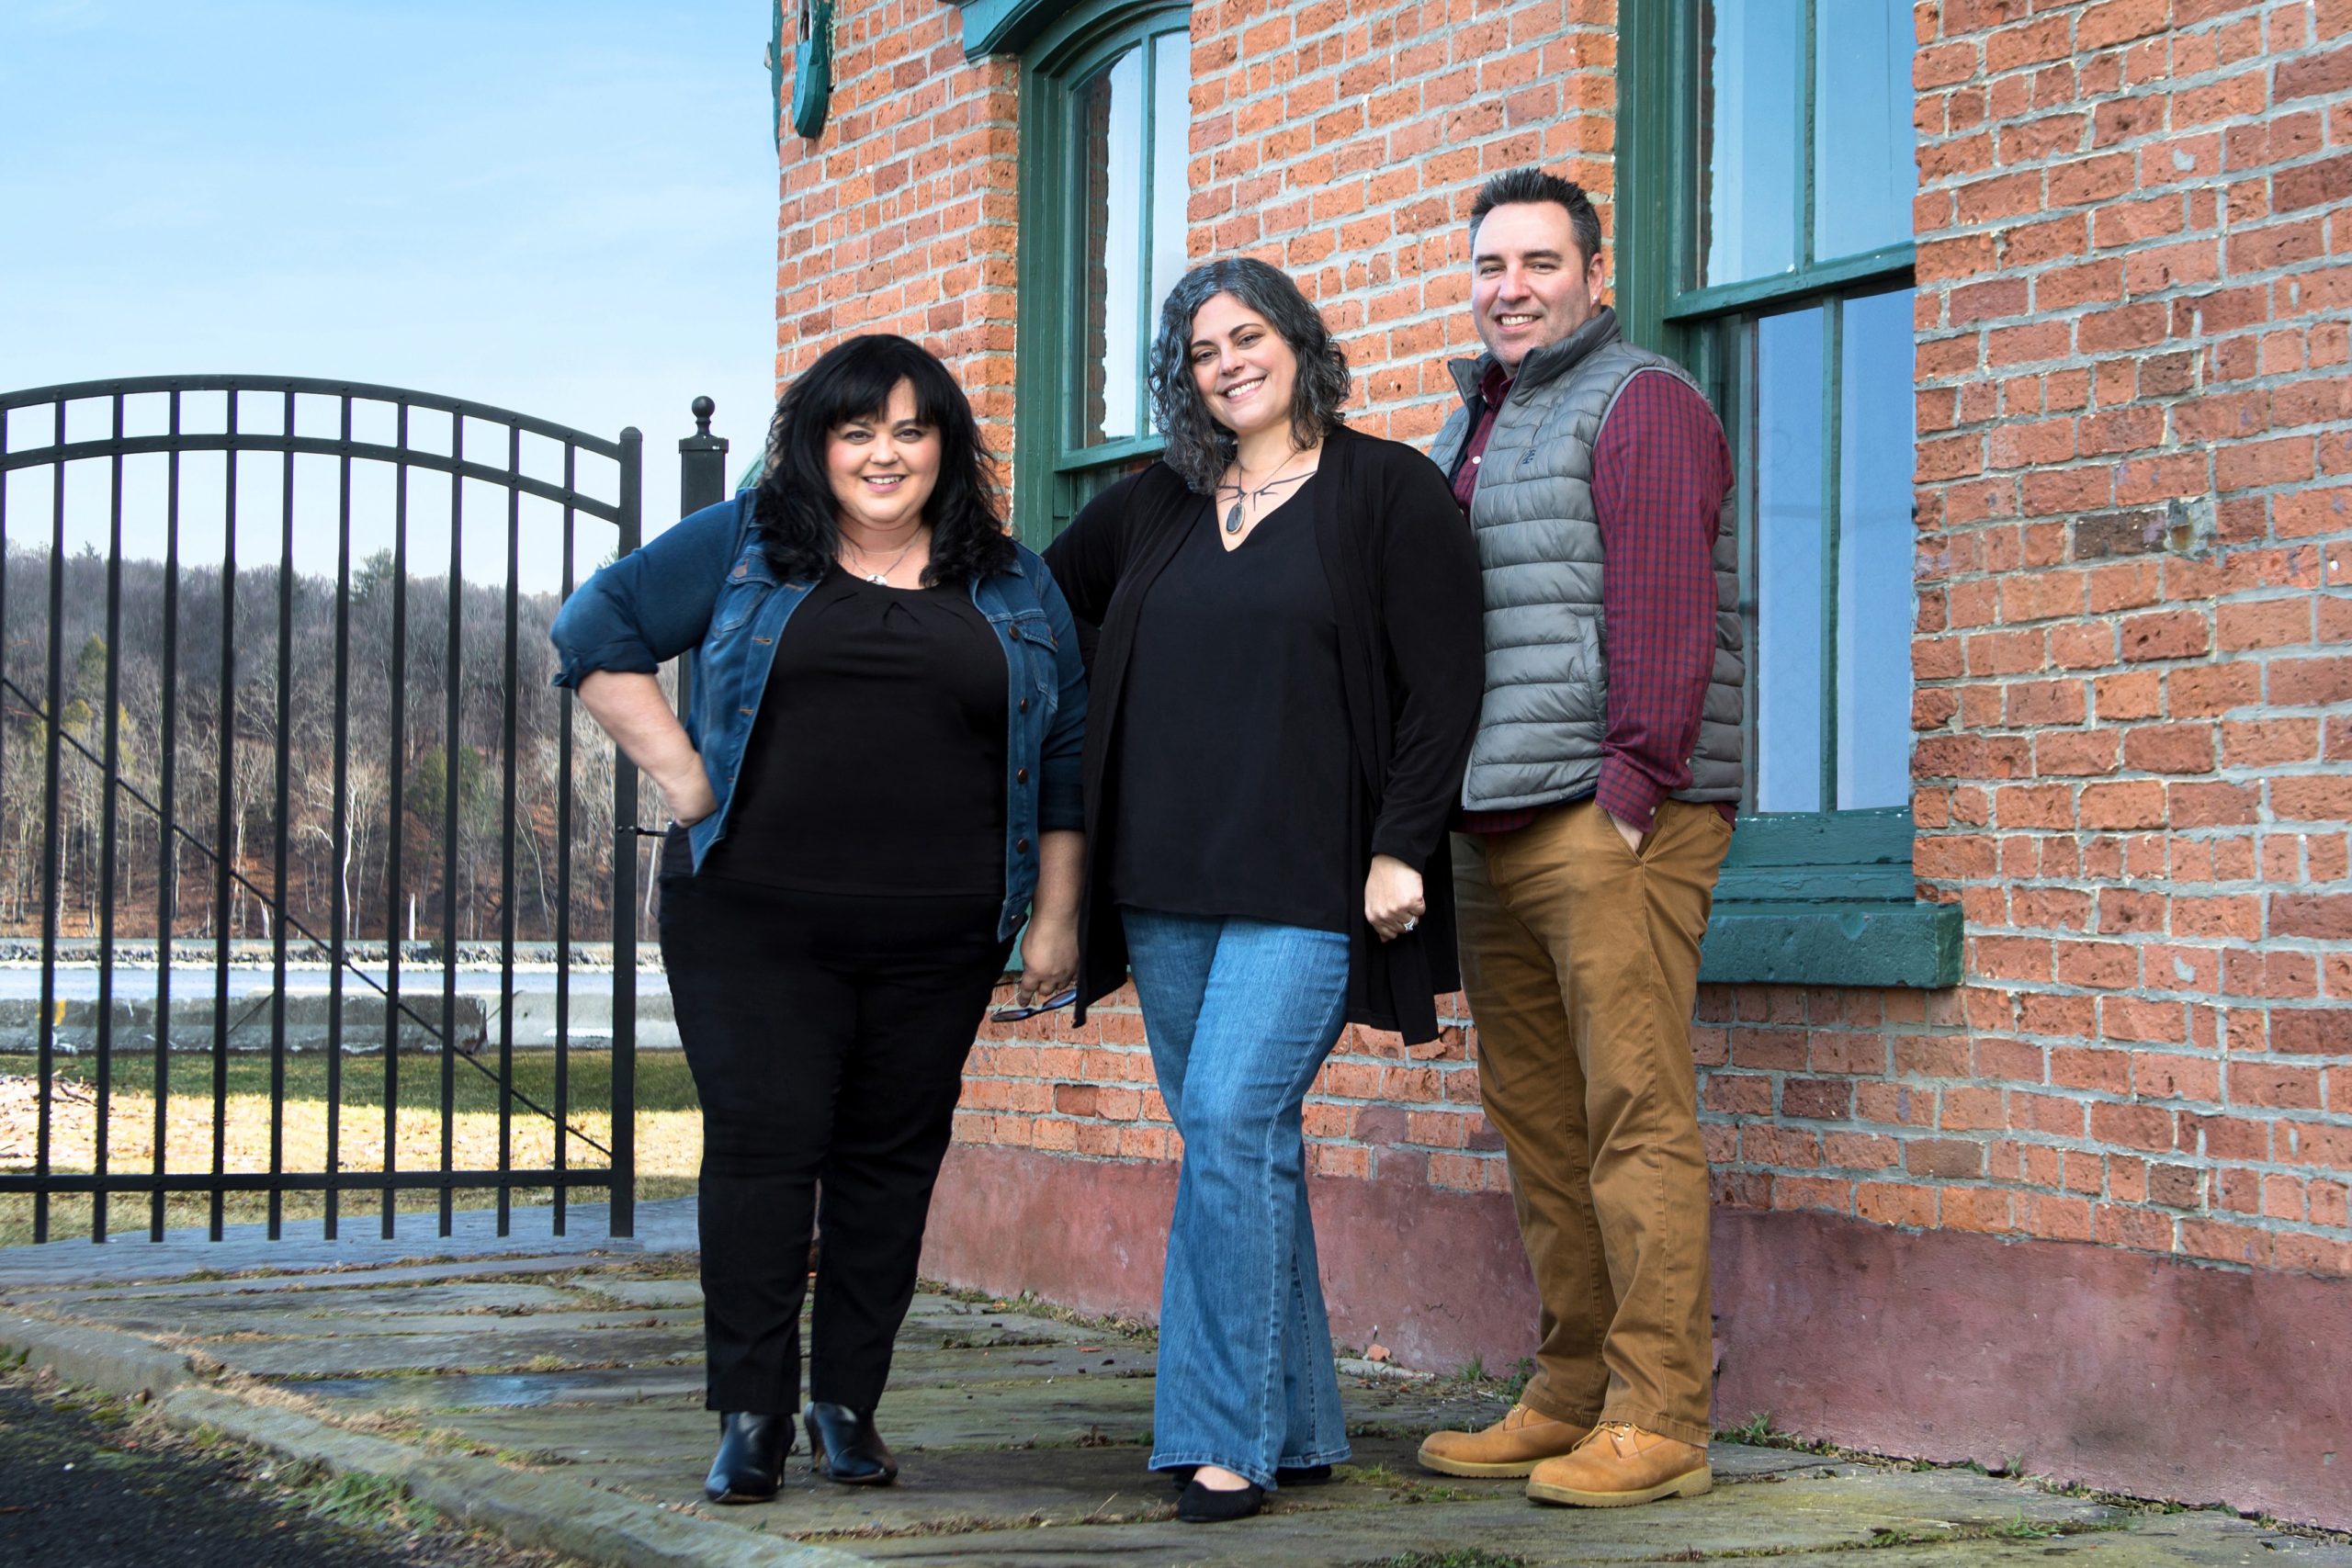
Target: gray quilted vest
x=1546, y=711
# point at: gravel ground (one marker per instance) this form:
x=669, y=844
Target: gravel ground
x=85, y=1485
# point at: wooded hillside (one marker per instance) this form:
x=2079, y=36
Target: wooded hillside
x=397, y=766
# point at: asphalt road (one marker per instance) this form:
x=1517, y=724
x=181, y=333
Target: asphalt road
x=85, y=1489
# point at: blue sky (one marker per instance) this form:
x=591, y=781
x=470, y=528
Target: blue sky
x=563, y=209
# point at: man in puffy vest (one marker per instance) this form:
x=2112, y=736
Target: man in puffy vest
x=1595, y=812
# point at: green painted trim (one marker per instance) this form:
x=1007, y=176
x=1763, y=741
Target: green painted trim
x=1007, y=27
x=1808, y=157
x=1062, y=48
x=1878, y=837
x=1036, y=393
x=1820, y=856
x=1646, y=200
x=1826, y=899
x=1832, y=881
x=1121, y=450
x=1856, y=944
x=1852, y=274
x=812, y=71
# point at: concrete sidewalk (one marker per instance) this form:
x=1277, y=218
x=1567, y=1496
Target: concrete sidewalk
x=551, y=1387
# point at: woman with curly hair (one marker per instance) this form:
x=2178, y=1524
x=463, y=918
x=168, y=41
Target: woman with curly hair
x=877, y=783
x=1287, y=669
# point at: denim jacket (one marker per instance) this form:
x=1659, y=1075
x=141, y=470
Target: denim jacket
x=705, y=584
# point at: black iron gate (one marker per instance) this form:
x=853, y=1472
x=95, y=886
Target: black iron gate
x=335, y=757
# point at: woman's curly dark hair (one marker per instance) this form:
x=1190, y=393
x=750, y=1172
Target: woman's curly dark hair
x=793, y=511
x=1198, y=448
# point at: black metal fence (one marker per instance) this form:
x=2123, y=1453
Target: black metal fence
x=274, y=698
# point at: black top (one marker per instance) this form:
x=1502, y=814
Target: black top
x=1404, y=584
x=876, y=762
x=1234, y=738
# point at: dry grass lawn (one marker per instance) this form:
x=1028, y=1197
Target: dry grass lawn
x=669, y=1130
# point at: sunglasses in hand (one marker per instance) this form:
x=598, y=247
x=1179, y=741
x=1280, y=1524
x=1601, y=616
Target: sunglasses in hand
x=1020, y=1010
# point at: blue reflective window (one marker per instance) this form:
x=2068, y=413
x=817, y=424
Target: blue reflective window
x=1808, y=150
x=1865, y=150
x=1754, y=86
x=1109, y=110
x=1829, y=510
x=1793, y=158
x=1875, y=535
x=1131, y=119
x=1789, y=446
x=1171, y=151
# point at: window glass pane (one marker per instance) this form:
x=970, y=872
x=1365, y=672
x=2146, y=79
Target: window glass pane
x=1172, y=132
x=1754, y=137
x=1866, y=159
x=1874, y=549
x=1108, y=110
x=1788, y=561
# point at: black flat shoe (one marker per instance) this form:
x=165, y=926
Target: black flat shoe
x=1202, y=1505
x=750, y=1457
x=845, y=1447
x=1181, y=1476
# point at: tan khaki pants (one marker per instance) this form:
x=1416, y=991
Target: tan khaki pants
x=1580, y=958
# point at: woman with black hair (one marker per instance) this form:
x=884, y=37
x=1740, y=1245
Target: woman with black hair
x=1287, y=677
x=877, y=780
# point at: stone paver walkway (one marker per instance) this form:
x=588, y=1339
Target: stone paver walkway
x=554, y=1388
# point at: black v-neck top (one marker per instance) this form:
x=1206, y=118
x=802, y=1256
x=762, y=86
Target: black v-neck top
x=1233, y=753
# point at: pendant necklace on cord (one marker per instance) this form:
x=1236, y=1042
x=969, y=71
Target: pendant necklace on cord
x=1241, y=496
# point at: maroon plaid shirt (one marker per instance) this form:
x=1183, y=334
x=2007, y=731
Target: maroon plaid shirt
x=1659, y=473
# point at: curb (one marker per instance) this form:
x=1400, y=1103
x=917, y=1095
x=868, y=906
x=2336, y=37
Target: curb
x=530, y=1509
x=104, y=1359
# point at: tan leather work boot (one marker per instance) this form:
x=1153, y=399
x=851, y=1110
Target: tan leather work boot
x=1512, y=1446
x=1620, y=1464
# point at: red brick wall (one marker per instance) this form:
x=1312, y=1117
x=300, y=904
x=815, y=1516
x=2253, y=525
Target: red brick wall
x=900, y=218
x=2133, y=772
x=2134, y=762
x=1344, y=142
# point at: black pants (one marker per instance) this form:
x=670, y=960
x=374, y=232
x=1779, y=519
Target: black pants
x=827, y=1035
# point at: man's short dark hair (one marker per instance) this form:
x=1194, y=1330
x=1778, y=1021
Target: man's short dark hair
x=1531, y=183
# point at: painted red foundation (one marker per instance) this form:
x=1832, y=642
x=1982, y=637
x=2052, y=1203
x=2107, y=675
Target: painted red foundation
x=2117, y=1369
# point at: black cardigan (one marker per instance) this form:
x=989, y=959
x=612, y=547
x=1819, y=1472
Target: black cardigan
x=1405, y=583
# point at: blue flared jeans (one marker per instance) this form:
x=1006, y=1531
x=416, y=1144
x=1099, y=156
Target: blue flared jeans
x=1241, y=1013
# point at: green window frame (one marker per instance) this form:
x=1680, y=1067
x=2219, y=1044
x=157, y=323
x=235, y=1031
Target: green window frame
x=1056, y=464
x=1818, y=897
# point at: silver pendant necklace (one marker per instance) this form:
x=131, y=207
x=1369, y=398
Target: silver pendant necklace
x=1233, y=518
x=882, y=577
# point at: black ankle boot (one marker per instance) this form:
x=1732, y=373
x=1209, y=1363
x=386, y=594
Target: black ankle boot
x=845, y=1447
x=750, y=1457
x=1204, y=1505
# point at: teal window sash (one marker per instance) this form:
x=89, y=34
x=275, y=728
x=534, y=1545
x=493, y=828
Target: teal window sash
x=1820, y=897
x=1890, y=267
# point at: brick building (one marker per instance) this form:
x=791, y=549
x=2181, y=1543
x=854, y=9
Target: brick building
x=2026, y=1047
